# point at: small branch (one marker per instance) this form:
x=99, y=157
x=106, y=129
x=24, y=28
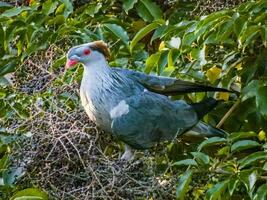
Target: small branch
x=226, y=116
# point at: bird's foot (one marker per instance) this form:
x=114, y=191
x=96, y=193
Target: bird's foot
x=128, y=154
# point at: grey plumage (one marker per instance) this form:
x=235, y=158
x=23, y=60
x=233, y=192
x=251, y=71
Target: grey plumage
x=167, y=85
x=133, y=106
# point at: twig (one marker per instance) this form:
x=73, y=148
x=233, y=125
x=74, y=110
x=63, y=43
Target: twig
x=226, y=116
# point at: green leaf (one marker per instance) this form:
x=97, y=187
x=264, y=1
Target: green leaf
x=252, y=179
x=2, y=35
x=68, y=8
x=142, y=33
x=9, y=67
x=118, y=32
x=162, y=62
x=185, y=162
x=57, y=20
x=265, y=166
x=148, y=10
x=4, y=162
x=59, y=62
x=183, y=184
x=248, y=34
x=49, y=6
x=261, y=192
x=128, y=5
x=261, y=100
x=3, y=93
x=202, y=56
x=241, y=135
x=158, y=33
x=251, y=89
x=30, y=194
x=92, y=9
x=240, y=24
x=152, y=62
x=14, y=11
x=244, y=144
x=232, y=185
x=252, y=158
x=188, y=39
x=249, y=179
x=216, y=191
x=201, y=158
x=223, y=151
x=211, y=141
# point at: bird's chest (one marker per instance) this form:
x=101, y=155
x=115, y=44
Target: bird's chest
x=97, y=102
x=87, y=103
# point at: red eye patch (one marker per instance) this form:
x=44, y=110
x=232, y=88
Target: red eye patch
x=86, y=51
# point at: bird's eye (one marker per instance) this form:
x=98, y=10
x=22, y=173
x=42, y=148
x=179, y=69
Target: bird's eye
x=86, y=51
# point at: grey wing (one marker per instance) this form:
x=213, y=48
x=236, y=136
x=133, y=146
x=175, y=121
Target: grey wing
x=151, y=118
x=166, y=85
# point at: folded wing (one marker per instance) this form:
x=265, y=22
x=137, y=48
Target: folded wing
x=165, y=85
x=148, y=118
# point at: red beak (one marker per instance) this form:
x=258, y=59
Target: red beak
x=70, y=63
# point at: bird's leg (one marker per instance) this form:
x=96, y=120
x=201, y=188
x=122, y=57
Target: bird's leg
x=128, y=153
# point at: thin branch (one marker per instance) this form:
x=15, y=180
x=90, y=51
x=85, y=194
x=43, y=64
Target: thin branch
x=226, y=116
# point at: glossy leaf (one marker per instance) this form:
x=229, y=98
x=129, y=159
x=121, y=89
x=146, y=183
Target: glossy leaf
x=185, y=162
x=9, y=67
x=232, y=185
x=183, y=184
x=211, y=141
x=68, y=7
x=49, y=7
x=92, y=9
x=142, y=33
x=201, y=158
x=149, y=10
x=118, y=32
x=30, y=193
x=254, y=157
x=262, y=100
x=261, y=192
x=244, y=144
x=2, y=34
x=152, y=62
x=249, y=179
x=128, y=5
x=241, y=135
x=14, y=11
x=216, y=192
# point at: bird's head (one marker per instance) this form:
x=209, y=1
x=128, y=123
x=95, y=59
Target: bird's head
x=86, y=53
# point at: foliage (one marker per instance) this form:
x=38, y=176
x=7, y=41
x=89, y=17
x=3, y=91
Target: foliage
x=225, y=48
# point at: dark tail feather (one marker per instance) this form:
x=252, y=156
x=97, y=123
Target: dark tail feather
x=205, y=106
x=182, y=87
x=204, y=130
x=188, y=87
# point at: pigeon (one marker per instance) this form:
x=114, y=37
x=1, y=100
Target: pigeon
x=135, y=107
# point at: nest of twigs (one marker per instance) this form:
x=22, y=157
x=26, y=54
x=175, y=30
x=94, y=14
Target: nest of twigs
x=67, y=155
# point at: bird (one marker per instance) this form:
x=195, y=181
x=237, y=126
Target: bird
x=136, y=107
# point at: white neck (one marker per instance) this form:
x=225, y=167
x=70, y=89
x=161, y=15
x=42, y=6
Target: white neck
x=96, y=67
x=97, y=74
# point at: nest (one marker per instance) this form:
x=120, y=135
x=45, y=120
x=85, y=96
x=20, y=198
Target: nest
x=67, y=155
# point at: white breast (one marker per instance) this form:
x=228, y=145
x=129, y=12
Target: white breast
x=88, y=105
